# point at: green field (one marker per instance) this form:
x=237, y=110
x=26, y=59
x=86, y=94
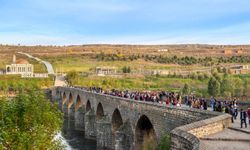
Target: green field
x=87, y=64
x=14, y=83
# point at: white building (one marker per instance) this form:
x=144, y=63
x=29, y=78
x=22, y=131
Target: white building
x=102, y=71
x=21, y=67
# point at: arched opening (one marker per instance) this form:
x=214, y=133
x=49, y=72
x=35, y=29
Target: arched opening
x=78, y=103
x=145, y=134
x=8, y=69
x=116, y=120
x=99, y=112
x=64, y=97
x=88, y=106
x=70, y=101
x=116, y=123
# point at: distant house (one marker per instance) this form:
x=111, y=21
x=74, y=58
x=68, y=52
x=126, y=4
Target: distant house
x=163, y=50
x=101, y=71
x=244, y=69
x=228, y=52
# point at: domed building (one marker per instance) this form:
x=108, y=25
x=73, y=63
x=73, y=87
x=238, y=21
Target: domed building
x=20, y=66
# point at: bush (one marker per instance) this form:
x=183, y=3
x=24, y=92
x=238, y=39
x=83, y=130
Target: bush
x=165, y=143
x=29, y=121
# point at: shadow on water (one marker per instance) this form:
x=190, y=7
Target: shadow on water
x=75, y=139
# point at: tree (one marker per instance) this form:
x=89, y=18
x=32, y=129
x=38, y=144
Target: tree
x=227, y=87
x=126, y=69
x=186, y=89
x=213, y=87
x=29, y=121
x=72, y=77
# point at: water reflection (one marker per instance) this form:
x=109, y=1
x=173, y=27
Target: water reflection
x=75, y=139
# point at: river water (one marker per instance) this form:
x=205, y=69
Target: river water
x=75, y=140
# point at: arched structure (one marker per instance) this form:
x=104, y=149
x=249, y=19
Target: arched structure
x=64, y=97
x=8, y=69
x=88, y=106
x=116, y=120
x=70, y=101
x=99, y=111
x=145, y=136
x=78, y=103
x=118, y=123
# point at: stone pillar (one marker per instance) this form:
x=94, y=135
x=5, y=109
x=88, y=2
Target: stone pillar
x=60, y=106
x=79, y=119
x=71, y=112
x=103, y=134
x=90, y=125
x=124, y=137
x=65, y=110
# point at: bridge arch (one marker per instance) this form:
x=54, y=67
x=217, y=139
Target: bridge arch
x=116, y=120
x=145, y=136
x=64, y=97
x=88, y=106
x=99, y=111
x=70, y=101
x=116, y=123
x=78, y=103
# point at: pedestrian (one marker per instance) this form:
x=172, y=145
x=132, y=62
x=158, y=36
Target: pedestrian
x=205, y=105
x=248, y=113
x=232, y=113
x=235, y=109
x=243, y=117
x=212, y=103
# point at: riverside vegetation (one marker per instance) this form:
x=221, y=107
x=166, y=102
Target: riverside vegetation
x=27, y=119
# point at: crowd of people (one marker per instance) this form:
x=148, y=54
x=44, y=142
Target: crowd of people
x=170, y=98
x=175, y=99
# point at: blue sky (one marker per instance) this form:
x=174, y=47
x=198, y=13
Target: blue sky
x=66, y=22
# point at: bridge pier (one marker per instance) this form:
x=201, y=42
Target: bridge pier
x=79, y=119
x=90, y=124
x=71, y=113
x=124, y=137
x=60, y=105
x=103, y=134
x=65, y=110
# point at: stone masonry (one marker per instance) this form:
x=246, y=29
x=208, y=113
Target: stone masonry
x=123, y=124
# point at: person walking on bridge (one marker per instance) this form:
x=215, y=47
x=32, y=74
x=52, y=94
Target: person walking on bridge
x=243, y=117
x=232, y=113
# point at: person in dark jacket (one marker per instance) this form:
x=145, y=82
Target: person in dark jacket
x=205, y=105
x=243, y=117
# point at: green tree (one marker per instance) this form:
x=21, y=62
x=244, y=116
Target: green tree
x=29, y=121
x=124, y=69
x=213, y=87
x=186, y=89
x=72, y=77
x=227, y=87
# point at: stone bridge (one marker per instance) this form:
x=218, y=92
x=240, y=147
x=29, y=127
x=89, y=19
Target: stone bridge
x=119, y=123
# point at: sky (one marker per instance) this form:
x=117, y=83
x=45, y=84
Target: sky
x=76, y=22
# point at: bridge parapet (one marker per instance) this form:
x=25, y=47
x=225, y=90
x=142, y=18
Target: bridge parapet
x=187, y=136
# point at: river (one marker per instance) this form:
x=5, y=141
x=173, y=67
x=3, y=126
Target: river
x=75, y=140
